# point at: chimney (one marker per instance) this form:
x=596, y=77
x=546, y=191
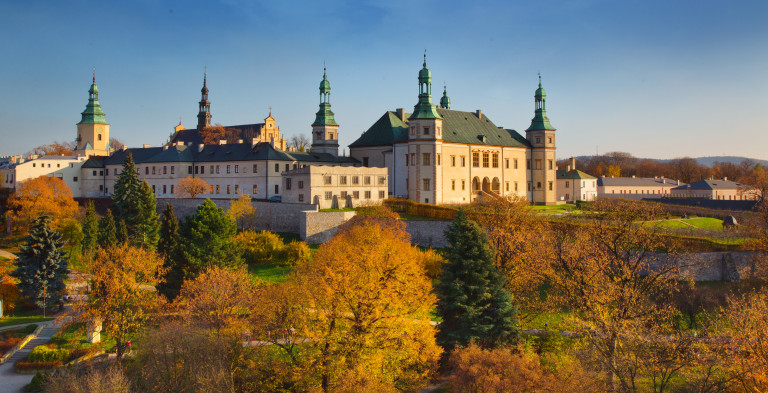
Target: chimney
x=254, y=141
x=200, y=147
x=400, y=113
x=146, y=146
x=222, y=141
x=240, y=141
x=272, y=141
x=573, y=163
x=479, y=114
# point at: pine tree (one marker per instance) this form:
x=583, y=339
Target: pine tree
x=42, y=266
x=107, y=231
x=168, y=248
x=146, y=221
x=126, y=200
x=122, y=232
x=207, y=240
x=472, y=300
x=90, y=230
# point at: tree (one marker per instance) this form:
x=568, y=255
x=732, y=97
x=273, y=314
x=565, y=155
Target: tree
x=299, y=142
x=120, y=297
x=146, y=222
x=122, y=232
x=748, y=319
x=190, y=187
x=207, y=240
x=9, y=291
x=127, y=197
x=241, y=211
x=211, y=135
x=168, y=248
x=107, y=231
x=217, y=299
x=115, y=144
x=55, y=149
x=361, y=306
x=42, y=196
x=71, y=232
x=42, y=267
x=90, y=230
x=472, y=299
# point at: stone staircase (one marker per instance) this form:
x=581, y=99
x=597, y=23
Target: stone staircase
x=42, y=338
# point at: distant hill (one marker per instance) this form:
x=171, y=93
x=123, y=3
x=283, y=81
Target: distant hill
x=708, y=161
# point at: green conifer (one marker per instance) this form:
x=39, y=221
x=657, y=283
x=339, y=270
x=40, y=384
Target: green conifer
x=90, y=230
x=127, y=197
x=168, y=247
x=42, y=266
x=207, y=239
x=472, y=300
x=107, y=231
x=146, y=222
x=122, y=232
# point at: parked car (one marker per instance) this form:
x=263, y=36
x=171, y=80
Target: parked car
x=275, y=198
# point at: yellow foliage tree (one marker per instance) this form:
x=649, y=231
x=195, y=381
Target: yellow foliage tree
x=9, y=293
x=190, y=187
x=122, y=297
x=748, y=319
x=42, y=196
x=241, y=211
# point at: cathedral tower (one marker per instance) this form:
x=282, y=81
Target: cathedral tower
x=325, y=130
x=93, y=129
x=204, y=113
x=542, y=164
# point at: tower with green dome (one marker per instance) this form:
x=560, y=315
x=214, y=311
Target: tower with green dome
x=325, y=130
x=445, y=102
x=541, y=136
x=93, y=129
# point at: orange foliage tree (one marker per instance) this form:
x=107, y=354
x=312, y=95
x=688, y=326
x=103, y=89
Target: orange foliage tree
x=42, y=196
x=9, y=292
x=190, y=187
x=55, y=149
x=213, y=134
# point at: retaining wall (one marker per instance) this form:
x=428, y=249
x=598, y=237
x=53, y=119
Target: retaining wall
x=319, y=227
x=428, y=233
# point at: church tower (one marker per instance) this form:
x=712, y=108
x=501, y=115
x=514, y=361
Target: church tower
x=325, y=130
x=425, y=142
x=93, y=129
x=204, y=113
x=542, y=164
x=445, y=102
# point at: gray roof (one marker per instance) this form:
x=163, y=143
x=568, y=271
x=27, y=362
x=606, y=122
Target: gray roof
x=711, y=184
x=573, y=174
x=635, y=182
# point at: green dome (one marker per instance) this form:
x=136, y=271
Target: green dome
x=93, y=89
x=540, y=94
x=325, y=86
x=425, y=74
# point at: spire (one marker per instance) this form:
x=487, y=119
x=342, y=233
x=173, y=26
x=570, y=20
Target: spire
x=445, y=102
x=204, y=111
x=540, y=120
x=425, y=109
x=93, y=113
x=324, y=116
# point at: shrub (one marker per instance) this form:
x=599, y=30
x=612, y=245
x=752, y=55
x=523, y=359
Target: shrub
x=21, y=365
x=295, y=252
x=259, y=247
x=36, y=385
x=44, y=353
x=433, y=262
x=7, y=344
x=110, y=380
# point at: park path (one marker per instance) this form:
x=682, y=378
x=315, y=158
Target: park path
x=6, y=254
x=10, y=381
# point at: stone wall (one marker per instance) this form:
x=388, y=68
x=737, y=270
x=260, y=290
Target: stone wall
x=428, y=233
x=276, y=217
x=731, y=266
x=319, y=227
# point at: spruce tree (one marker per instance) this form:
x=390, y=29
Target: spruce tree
x=107, y=231
x=146, y=221
x=122, y=232
x=207, y=240
x=168, y=248
x=42, y=266
x=472, y=300
x=90, y=230
x=126, y=200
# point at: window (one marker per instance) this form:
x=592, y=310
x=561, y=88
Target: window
x=288, y=183
x=381, y=195
x=171, y=187
x=228, y=169
x=277, y=167
x=210, y=170
x=164, y=189
x=344, y=195
x=538, y=139
x=412, y=130
x=495, y=160
x=453, y=160
x=202, y=169
x=301, y=184
x=486, y=157
x=153, y=189
x=146, y=170
x=173, y=170
x=529, y=186
x=538, y=164
x=367, y=180
x=551, y=165
x=538, y=185
x=426, y=130
x=549, y=140
x=463, y=184
x=255, y=169
x=255, y=189
x=527, y=164
x=327, y=180
x=99, y=136
x=382, y=180
x=277, y=189
x=567, y=184
x=406, y=160
x=413, y=158
x=217, y=169
x=342, y=180
x=515, y=186
x=153, y=170
x=237, y=188
x=58, y=165
x=94, y=173
x=328, y=195
x=301, y=197
x=101, y=187
x=355, y=180
x=165, y=170
x=228, y=189
x=514, y=163
x=367, y=195
x=425, y=159
x=438, y=159
x=506, y=163
x=287, y=167
x=453, y=185
x=506, y=186
x=365, y=161
x=475, y=159
x=426, y=184
x=463, y=161
x=550, y=186
x=34, y=165
x=237, y=168
x=101, y=173
x=218, y=189
x=355, y=194
x=74, y=178
x=189, y=170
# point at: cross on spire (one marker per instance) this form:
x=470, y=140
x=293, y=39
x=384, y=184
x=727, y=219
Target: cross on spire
x=94, y=74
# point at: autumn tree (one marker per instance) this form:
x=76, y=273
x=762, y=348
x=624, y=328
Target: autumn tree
x=55, y=149
x=608, y=274
x=42, y=196
x=748, y=319
x=241, y=211
x=190, y=187
x=472, y=300
x=9, y=291
x=71, y=233
x=361, y=306
x=120, y=297
x=107, y=231
x=42, y=267
x=211, y=135
x=217, y=299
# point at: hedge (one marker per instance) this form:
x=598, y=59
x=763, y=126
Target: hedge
x=406, y=206
x=43, y=353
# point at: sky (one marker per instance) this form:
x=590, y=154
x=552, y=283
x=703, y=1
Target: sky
x=660, y=79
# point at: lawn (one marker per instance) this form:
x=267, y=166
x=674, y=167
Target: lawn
x=270, y=272
x=698, y=223
x=346, y=209
x=554, y=209
x=22, y=319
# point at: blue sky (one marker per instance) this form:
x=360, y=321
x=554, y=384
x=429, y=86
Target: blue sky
x=653, y=78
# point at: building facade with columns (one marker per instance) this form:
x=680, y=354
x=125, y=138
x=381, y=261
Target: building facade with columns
x=444, y=156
